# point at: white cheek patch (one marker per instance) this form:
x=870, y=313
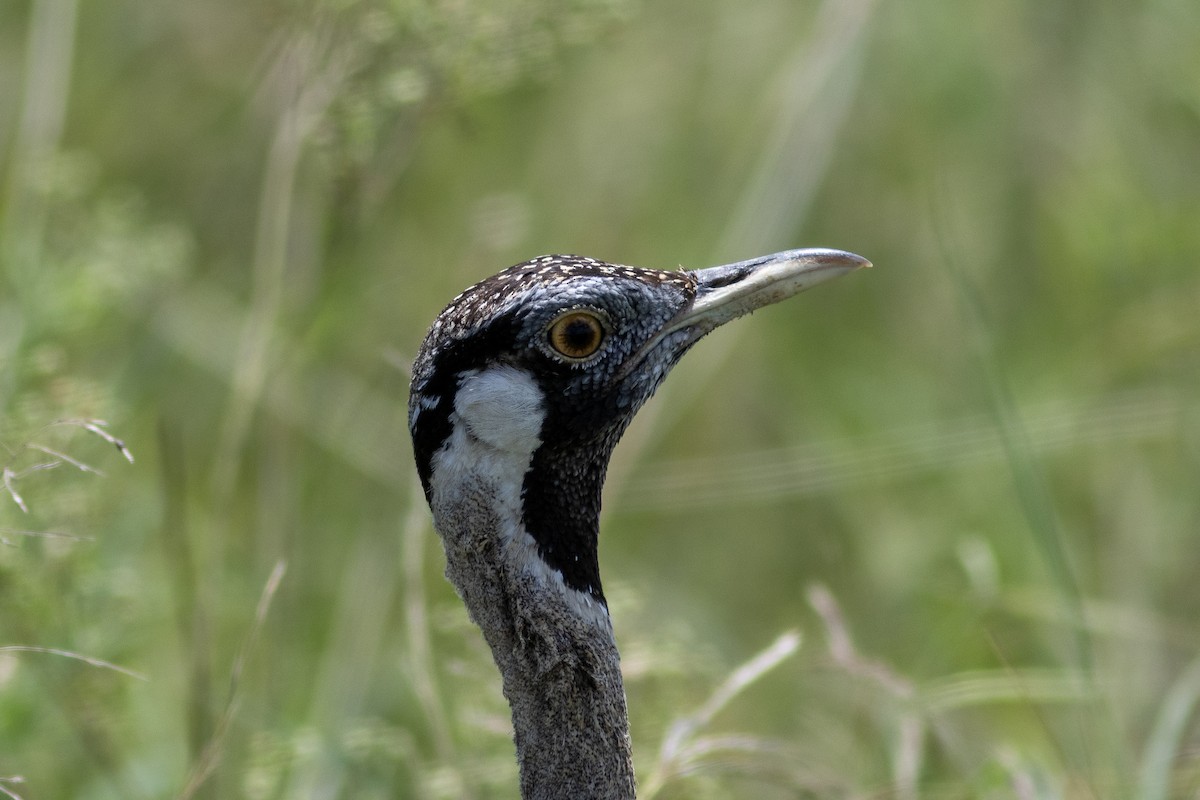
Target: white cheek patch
x=503, y=407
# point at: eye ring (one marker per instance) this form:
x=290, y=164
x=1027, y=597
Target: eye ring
x=576, y=335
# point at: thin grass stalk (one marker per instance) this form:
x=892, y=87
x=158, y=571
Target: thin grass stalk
x=210, y=757
x=679, y=744
x=414, y=533
x=91, y=661
x=1170, y=725
x=192, y=609
x=794, y=159
x=813, y=94
x=908, y=747
x=5, y=790
x=361, y=623
x=46, y=90
x=1036, y=503
x=320, y=75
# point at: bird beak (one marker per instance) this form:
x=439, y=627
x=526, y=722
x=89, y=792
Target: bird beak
x=733, y=290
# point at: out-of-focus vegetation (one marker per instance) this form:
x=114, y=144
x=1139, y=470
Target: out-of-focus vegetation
x=968, y=478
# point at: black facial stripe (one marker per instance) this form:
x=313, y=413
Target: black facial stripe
x=560, y=502
x=561, y=492
x=430, y=430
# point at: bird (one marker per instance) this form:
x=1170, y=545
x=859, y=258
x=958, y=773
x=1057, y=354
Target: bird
x=520, y=391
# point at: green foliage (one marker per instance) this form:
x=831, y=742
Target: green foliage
x=968, y=477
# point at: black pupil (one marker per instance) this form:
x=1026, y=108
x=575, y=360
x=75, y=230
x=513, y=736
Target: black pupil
x=579, y=335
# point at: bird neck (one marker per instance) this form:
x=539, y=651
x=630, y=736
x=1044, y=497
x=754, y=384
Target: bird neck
x=553, y=643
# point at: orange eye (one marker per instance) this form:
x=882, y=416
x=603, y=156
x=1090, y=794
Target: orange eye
x=576, y=334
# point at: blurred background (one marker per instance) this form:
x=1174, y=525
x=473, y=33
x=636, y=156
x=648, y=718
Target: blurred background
x=928, y=531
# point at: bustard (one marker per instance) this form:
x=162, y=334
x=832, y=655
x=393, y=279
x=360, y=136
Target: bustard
x=519, y=393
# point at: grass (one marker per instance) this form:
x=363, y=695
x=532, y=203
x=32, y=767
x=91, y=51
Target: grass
x=964, y=480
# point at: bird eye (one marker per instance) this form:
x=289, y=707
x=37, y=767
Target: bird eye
x=576, y=334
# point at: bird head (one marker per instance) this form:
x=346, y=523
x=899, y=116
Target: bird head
x=548, y=361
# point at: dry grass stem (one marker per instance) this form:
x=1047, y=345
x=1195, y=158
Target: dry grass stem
x=841, y=646
x=44, y=466
x=9, y=477
x=910, y=728
x=7, y=792
x=681, y=747
x=42, y=534
x=97, y=427
x=90, y=661
x=47, y=534
x=1169, y=733
x=79, y=465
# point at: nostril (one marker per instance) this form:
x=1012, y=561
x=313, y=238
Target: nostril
x=728, y=278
